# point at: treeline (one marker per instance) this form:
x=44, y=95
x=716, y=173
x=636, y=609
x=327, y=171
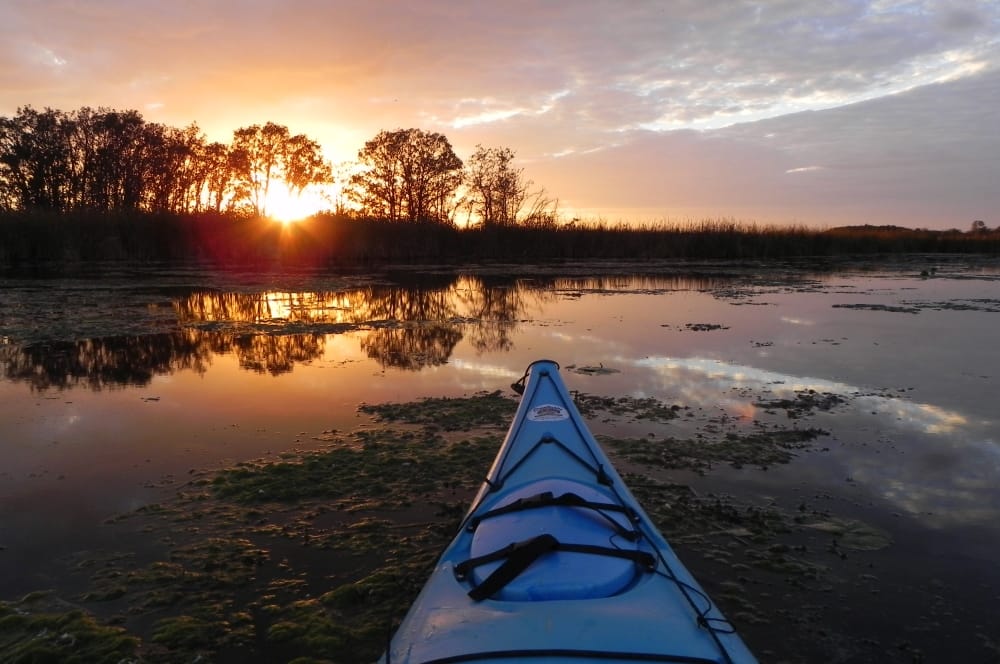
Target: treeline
x=114, y=161
x=331, y=241
x=96, y=185
x=110, y=161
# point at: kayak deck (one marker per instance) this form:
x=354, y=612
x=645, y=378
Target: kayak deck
x=557, y=562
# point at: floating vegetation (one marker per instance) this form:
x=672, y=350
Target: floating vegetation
x=312, y=555
x=713, y=523
x=959, y=304
x=760, y=448
x=453, y=414
x=879, y=307
x=599, y=370
x=41, y=628
x=316, y=555
x=804, y=403
x=646, y=408
x=382, y=467
x=698, y=327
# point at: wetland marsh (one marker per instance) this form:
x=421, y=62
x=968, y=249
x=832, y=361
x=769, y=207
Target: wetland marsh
x=238, y=466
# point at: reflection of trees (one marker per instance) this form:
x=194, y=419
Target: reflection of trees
x=277, y=354
x=412, y=348
x=105, y=363
x=410, y=327
x=264, y=307
x=497, y=308
x=434, y=320
x=407, y=305
x=649, y=283
x=134, y=360
x=413, y=325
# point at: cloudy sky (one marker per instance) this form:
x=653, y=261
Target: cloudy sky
x=819, y=112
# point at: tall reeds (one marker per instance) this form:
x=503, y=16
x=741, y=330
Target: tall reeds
x=327, y=240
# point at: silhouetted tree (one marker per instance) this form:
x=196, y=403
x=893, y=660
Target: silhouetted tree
x=408, y=174
x=257, y=152
x=122, y=159
x=262, y=154
x=107, y=160
x=499, y=194
x=177, y=174
x=217, y=174
x=304, y=165
x=35, y=163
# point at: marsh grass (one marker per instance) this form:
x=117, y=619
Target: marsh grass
x=326, y=240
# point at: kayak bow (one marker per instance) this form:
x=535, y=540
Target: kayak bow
x=557, y=562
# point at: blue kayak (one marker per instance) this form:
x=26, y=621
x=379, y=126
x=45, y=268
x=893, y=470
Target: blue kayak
x=557, y=562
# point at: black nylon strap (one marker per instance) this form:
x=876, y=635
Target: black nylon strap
x=568, y=499
x=520, y=555
x=518, y=560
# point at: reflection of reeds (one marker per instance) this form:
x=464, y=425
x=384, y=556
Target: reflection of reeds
x=331, y=240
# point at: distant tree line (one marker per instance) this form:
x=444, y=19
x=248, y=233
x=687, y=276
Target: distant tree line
x=103, y=160
x=114, y=161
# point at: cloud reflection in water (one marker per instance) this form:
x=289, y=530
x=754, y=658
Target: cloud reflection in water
x=922, y=459
x=690, y=374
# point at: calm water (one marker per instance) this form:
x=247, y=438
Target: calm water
x=113, y=388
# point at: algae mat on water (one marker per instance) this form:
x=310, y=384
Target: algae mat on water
x=314, y=556
x=42, y=628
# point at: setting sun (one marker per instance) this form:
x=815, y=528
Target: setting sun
x=286, y=207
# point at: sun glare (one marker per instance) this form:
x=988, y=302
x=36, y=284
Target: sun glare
x=287, y=207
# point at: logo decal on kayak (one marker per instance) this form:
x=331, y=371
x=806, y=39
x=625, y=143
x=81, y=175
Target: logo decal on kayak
x=548, y=413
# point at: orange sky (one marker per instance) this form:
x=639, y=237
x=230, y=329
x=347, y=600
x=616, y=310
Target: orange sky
x=881, y=111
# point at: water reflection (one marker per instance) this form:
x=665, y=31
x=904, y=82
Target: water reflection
x=702, y=380
x=406, y=327
x=133, y=361
x=412, y=347
x=276, y=354
x=102, y=363
x=949, y=477
x=411, y=325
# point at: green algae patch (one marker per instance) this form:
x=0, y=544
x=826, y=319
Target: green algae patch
x=758, y=448
x=184, y=632
x=314, y=556
x=599, y=370
x=486, y=409
x=959, y=304
x=382, y=467
x=879, y=307
x=731, y=534
x=216, y=562
x=804, y=403
x=41, y=629
x=637, y=409
x=697, y=327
